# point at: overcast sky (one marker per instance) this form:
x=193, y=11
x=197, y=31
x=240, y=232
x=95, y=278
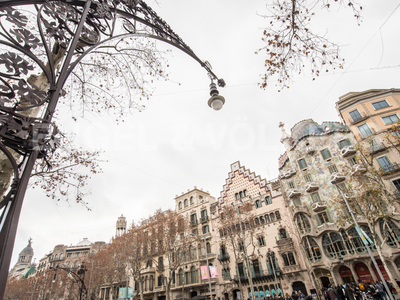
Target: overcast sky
x=178, y=142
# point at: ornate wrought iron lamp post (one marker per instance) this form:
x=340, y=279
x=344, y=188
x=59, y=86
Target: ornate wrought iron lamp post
x=54, y=38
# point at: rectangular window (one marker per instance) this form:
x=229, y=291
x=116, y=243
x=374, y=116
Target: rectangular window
x=291, y=184
x=355, y=115
x=344, y=143
x=364, y=130
x=268, y=200
x=390, y=119
x=332, y=169
x=204, y=215
x=396, y=184
x=308, y=178
x=206, y=229
x=385, y=163
x=193, y=219
x=380, y=104
x=302, y=163
x=323, y=218
x=326, y=154
x=352, y=161
x=261, y=241
x=315, y=197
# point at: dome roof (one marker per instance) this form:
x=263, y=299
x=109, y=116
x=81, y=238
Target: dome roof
x=28, y=249
x=84, y=242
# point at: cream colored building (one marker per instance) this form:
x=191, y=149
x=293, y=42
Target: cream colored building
x=370, y=115
x=272, y=233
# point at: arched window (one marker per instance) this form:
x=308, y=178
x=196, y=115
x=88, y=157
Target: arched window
x=277, y=215
x=328, y=247
x=151, y=283
x=267, y=220
x=191, y=200
x=262, y=220
x=199, y=250
x=312, y=249
x=185, y=202
x=283, y=234
x=76, y=263
x=160, y=262
x=347, y=242
x=146, y=283
x=256, y=221
x=272, y=217
x=356, y=240
x=180, y=205
x=245, y=193
x=333, y=245
x=258, y=203
x=192, y=275
x=61, y=255
x=237, y=196
x=180, y=279
x=390, y=232
x=56, y=256
x=369, y=233
x=303, y=224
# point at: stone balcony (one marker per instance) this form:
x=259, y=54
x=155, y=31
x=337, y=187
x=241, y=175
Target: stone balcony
x=311, y=187
x=300, y=209
x=289, y=270
x=358, y=169
x=337, y=177
x=294, y=193
x=287, y=174
x=285, y=245
x=318, y=206
x=326, y=226
x=348, y=150
x=310, y=150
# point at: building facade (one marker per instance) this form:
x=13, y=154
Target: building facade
x=314, y=159
x=370, y=115
x=276, y=265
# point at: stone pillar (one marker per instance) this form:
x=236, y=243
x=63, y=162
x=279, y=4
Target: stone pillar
x=353, y=272
x=333, y=277
x=371, y=270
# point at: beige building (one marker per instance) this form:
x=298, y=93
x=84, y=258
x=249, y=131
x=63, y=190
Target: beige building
x=370, y=115
x=335, y=254
x=271, y=248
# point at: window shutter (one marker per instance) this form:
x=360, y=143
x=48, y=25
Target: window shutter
x=252, y=271
x=237, y=273
x=269, y=267
x=276, y=264
x=260, y=267
x=245, y=272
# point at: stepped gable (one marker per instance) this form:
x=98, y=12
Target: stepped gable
x=309, y=127
x=246, y=173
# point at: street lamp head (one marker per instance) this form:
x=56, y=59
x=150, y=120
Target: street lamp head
x=333, y=182
x=216, y=101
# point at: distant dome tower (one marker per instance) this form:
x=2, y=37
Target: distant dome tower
x=24, y=260
x=121, y=226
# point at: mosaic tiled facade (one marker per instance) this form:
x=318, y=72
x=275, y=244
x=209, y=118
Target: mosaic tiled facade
x=316, y=154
